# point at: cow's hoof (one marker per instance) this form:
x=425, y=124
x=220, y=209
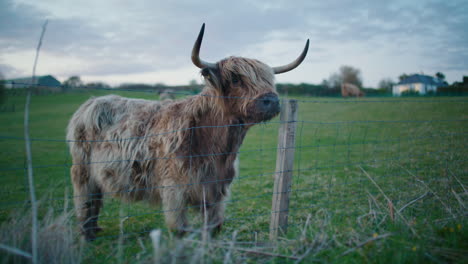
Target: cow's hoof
x=98, y=229
x=90, y=237
x=216, y=230
x=180, y=233
x=89, y=234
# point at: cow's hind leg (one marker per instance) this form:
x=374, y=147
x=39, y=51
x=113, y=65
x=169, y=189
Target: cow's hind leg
x=88, y=201
x=95, y=208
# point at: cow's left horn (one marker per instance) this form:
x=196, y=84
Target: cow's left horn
x=294, y=64
x=196, y=52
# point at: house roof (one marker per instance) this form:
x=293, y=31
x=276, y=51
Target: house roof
x=45, y=80
x=425, y=79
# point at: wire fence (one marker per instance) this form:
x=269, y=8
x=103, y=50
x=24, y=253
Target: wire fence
x=358, y=163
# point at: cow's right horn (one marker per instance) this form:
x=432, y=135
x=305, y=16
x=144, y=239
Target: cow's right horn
x=294, y=64
x=196, y=52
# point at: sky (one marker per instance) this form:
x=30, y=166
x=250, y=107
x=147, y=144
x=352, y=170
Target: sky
x=150, y=41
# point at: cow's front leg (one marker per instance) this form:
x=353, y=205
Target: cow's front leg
x=213, y=211
x=174, y=207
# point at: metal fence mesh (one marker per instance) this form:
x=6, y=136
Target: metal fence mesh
x=359, y=163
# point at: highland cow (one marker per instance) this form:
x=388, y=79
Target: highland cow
x=349, y=89
x=175, y=153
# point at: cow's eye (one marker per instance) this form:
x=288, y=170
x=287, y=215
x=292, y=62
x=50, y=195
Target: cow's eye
x=235, y=79
x=205, y=72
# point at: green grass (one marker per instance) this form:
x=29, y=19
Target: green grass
x=414, y=149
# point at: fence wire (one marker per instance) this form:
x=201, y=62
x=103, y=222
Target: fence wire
x=349, y=155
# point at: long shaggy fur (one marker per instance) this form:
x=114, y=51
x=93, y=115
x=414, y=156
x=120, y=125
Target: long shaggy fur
x=177, y=153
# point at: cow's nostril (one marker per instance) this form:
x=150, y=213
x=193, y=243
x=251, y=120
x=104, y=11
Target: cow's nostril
x=267, y=104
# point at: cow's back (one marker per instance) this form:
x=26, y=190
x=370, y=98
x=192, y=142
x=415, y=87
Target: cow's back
x=110, y=135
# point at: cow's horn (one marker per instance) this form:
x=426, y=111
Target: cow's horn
x=294, y=64
x=196, y=52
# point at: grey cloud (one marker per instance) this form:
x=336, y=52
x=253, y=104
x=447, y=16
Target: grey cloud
x=110, y=68
x=20, y=26
x=7, y=71
x=158, y=35
x=16, y=22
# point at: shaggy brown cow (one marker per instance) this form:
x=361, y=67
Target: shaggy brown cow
x=177, y=153
x=349, y=89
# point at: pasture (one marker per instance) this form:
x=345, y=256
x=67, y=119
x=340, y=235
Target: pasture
x=374, y=179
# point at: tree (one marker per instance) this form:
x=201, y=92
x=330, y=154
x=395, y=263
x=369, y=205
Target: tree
x=440, y=76
x=97, y=85
x=346, y=74
x=386, y=85
x=325, y=83
x=334, y=81
x=193, y=82
x=2, y=89
x=73, y=82
x=403, y=76
x=351, y=75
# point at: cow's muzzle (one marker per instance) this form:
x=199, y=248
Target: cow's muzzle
x=267, y=106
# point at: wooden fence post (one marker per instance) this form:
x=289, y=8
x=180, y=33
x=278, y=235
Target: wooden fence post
x=284, y=168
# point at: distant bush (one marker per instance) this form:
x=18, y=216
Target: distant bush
x=431, y=93
x=137, y=87
x=2, y=92
x=457, y=88
x=377, y=92
x=323, y=90
x=410, y=93
x=307, y=89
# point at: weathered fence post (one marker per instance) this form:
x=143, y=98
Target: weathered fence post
x=284, y=168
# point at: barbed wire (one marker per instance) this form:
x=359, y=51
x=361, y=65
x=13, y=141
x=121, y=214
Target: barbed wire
x=235, y=125
x=443, y=145
x=375, y=142
x=271, y=173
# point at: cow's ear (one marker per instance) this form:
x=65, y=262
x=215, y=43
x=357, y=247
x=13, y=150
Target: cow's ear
x=213, y=77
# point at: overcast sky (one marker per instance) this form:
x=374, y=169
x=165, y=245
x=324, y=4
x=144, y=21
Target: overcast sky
x=150, y=41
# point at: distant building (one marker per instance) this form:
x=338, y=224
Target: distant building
x=43, y=82
x=418, y=83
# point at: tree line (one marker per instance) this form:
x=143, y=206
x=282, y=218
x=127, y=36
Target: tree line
x=328, y=87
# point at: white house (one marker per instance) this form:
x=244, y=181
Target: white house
x=418, y=83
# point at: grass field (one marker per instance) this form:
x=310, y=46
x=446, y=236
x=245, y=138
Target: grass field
x=375, y=180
